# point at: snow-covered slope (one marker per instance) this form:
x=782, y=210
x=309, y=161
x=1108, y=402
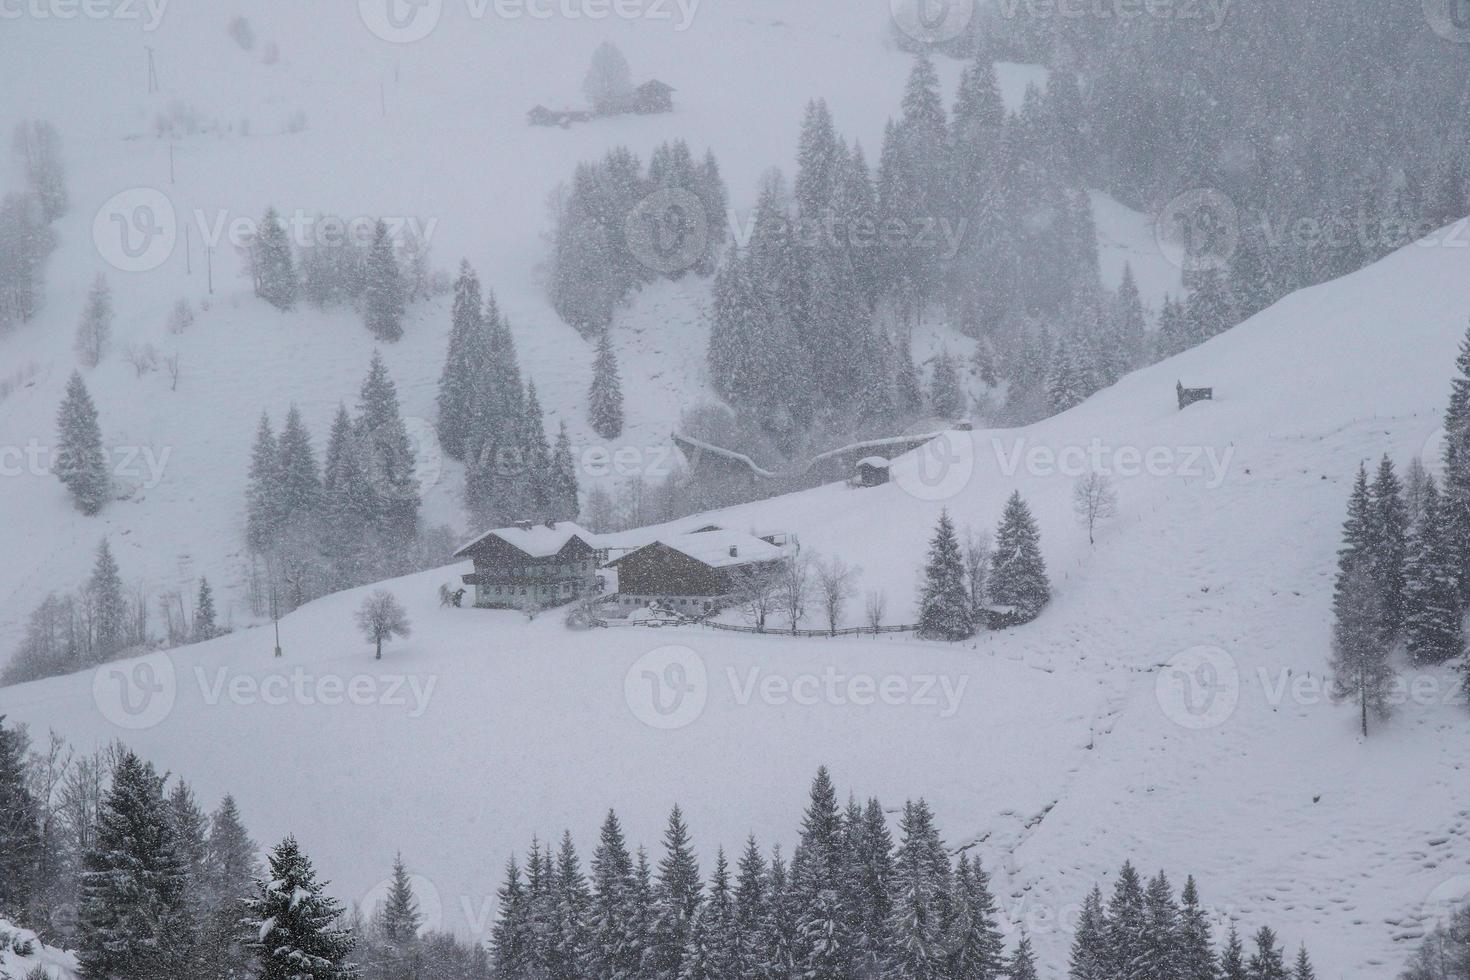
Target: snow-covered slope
x=1165, y=708
x=15, y=941
x=433, y=131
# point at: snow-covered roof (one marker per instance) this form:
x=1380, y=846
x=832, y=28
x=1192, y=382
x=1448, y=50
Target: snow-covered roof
x=714, y=547
x=538, y=540
x=878, y=461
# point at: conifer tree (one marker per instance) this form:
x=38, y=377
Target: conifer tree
x=1023, y=963
x=610, y=949
x=348, y=507
x=1196, y=959
x=677, y=897
x=944, y=602
x=1432, y=622
x=1360, y=667
x=819, y=861
x=80, y=462
x=94, y=330
x=781, y=935
x=750, y=910
x=825, y=941
x=605, y=397
x=300, y=479
x=275, y=272
x=871, y=860
x=712, y=952
x=1232, y=959
x=296, y=923
x=205, y=627
x=1268, y=960
x=567, y=943
x=396, y=924
x=1090, y=958
x=1160, y=952
x=510, y=938
x=135, y=922
x=109, y=607
x=1455, y=488
x=946, y=396
x=563, y=495
x=231, y=864
x=1390, y=530
x=1017, y=570
x=920, y=905
x=976, y=949
x=263, y=494
x=385, y=298
x=464, y=361
x=20, y=829
x=388, y=458
x=1127, y=925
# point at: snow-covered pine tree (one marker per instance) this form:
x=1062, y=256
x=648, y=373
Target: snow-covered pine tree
x=1196, y=960
x=567, y=942
x=976, y=948
x=134, y=919
x=1268, y=962
x=719, y=957
x=384, y=298
x=20, y=836
x=389, y=461
x=1389, y=537
x=536, y=456
x=231, y=864
x=750, y=910
x=81, y=464
x=1303, y=967
x=510, y=936
x=1066, y=386
x=946, y=396
x=1128, y=328
x=205, y=626
x=94, y=329
x=109, y=606
x=396, y=924
x=870, y=863
x=190, y=832
x=348, y=508
x=944, y=601
x=301, y=485
x=818, y=163
x=782, y=913
x=641, y=912
x=1232, y=958
x=819, y=861
x=1023, y=962
x=562, y=478
x=297, y=936
x=1455, y=485
x=610, y=950
x=275, y=270
x=1415, y=477
x=920, y=898
x=1432, y=621
x=38, y=146
x=1127, y=925
x=1018, y=582
x=677, y=897
x=826, y=943
x=26, y=242
x=605, y=396
x=1360, y=666
x=1090, y=958
x=463, y=363
x=264, y=508
x=1160, y=955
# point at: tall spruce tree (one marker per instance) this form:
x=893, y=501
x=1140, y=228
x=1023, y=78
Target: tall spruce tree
x=976, y=948
x=109, y=606
x=1127, y=927
x=385, y=296
x=1090, y=959
x=510, y=941
x=94, y=330
x=1023, y=962
x=231, y=861
x=297, y=935
x=677, y=897
x=275, y=272
x=944, y=601
x=611, y=951
x=464, y=361
x=1161, y=923
x=920, y=903
x=81, y=464
x=135, y=922
x=1018, y=580
x=1196, y=959
x=1432, y=620
x=1268, y=962
x=1390, y=532
x=605, y=396
x=264, y=511
x=388, y=458
x=20, y=827
x=1361, y=671
x=1232, y=958
x=396, y=924
x=205, y=626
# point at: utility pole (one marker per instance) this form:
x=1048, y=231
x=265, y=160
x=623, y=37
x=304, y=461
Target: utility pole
x=209, y=263
x=188, y=252
x=152, y=71
x=170, y=161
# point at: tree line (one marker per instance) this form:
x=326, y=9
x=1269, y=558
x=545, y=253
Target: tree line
x=1403, y=571
x=27, y=237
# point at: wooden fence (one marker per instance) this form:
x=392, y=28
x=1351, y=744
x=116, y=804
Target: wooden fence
x=846, y=631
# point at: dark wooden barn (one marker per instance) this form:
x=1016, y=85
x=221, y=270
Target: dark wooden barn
x=1188, y=396
x=872, y=471
x=652, y=97
x=695, y=573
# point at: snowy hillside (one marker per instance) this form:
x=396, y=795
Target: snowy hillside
x=1058, y=749
x=482, y=177
x=21, y=953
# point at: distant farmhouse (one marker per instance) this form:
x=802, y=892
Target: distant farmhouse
x=650, y=98
x=1188, y=396
x=697, y=572
x=534, y=564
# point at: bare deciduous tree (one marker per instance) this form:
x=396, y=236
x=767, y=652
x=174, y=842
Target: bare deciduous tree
x=171, y=362
x=181, y=317
x=144, y=359
x=381, y=617
x=1093, y=501
x=835, y=585
x=875, y=605
x=793, y=584
x=756, y=595
x=977, y=566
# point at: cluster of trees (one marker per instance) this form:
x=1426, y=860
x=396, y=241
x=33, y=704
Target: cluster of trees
x=850, y=902
x=99, y=854
x=378, y=277
x=972, y=585
x=612, y=233
x=492, y=420
x=1444, y=954
x=1402, y=571
x=353, y=518
x=27, y=237
x=103, y=620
